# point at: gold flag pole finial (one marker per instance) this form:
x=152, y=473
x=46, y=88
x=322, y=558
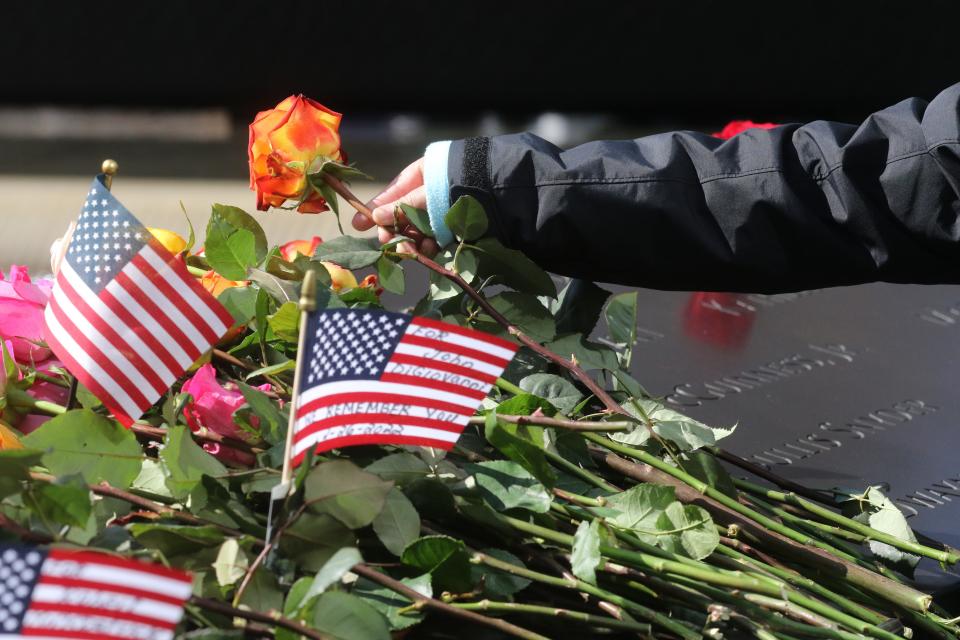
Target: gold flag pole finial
x=109, y=169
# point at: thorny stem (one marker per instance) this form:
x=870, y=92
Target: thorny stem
x=579, y=585
x=224, y=609
x=561, y=423
x=898, y=593
x=106, y=490
x=442, y=607
x=569, y=364
x=947, y=557
x=588, y=618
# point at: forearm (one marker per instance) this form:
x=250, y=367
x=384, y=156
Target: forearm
x=791, y=208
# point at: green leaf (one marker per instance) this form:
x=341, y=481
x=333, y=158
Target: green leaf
x=512, y=268
x=639, y=507
x=398, y=524
x=524, y=404
x=285, y=323
x=579, y=306
x=561, y=393
x=176, y=539
x=64, y=502
x=263, y=592
x=685, y=432
x=444, y=558
x=152, y=478
x=346, y=617
x=588, y=354
x=273, y=426
x=883, y=515
x=497, y=583
x=272, y=369
x=273, y=287
x=313, y=539
x=346, y=492
x=186, y=462
x=585, y=557
x=241, y=302
x=391, y=276
x=688, y=530
x=418, y=218
x=231, y=563
x=705, y=467
x=85, y=442
x=192, y=235
x=526, y=312
x=295, y=599
x=235, y=242
x=507, y=485
x=389, y=603
x=511, y=443
x=401, y=468
x=621, y=315
x=333, y=570
x=15, y=469
x=349, y=252
x=466, y=218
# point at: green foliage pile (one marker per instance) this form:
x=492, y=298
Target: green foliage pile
x=552, y=517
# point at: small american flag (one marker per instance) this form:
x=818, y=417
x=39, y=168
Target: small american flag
x=86, y=594
x=377, y=377
x=126, y=317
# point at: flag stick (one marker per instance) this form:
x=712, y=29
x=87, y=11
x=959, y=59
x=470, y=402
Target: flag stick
x=308, y=302
x=109, y=169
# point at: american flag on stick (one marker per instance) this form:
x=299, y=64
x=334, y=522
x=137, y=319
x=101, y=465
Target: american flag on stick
x=378, y=377
x=126, y=317
x=47, y=594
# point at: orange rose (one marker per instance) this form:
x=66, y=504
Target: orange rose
x=8, y=439
x=372, y=282
x=217, y=284
x=284, y=142
x=295, y=248
x=340, y=278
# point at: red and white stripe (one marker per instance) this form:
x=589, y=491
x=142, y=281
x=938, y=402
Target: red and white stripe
x=88, y=595
x=437, y=377
x=129, y=344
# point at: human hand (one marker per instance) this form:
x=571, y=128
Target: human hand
x=407, y=188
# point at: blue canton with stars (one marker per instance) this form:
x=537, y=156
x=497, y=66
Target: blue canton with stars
x=350, y=344
x=19, y=572
x=106, y=238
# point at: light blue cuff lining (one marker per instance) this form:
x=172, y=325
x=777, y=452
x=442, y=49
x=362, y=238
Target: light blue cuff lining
x=436, y=181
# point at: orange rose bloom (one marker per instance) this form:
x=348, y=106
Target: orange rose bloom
x=294, y=248
x=284, y=142
x=8, y=439
x=216, y=284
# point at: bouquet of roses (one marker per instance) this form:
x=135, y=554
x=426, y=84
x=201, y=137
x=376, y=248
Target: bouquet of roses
x=572, y=503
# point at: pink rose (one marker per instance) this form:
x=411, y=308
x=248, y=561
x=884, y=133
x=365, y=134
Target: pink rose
x=212, y=408
x=21, y=314
x=40, y=390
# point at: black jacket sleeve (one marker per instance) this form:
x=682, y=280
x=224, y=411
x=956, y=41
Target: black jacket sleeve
x=791, y=208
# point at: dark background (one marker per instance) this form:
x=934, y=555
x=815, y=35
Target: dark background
x=654, y=62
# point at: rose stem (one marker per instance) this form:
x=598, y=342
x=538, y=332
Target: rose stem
x=533, y=609
x=570, y=365
x=422, y=601
x=873, y=582
x=848, y=523
x=579, y=585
